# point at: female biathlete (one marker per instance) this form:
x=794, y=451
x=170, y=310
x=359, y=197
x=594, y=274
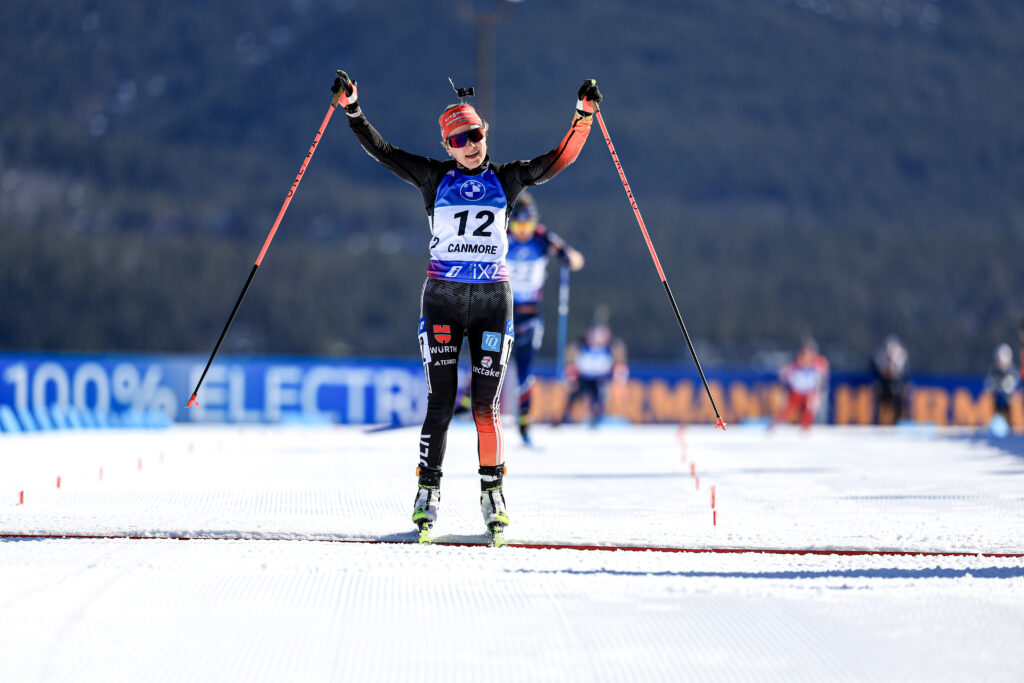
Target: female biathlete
x=466, y=294
x=530, y=246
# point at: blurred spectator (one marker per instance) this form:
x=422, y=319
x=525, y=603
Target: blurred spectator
x=591, y=363
x=1021, y=337
x=1002, y=380
x=805, y=379
x=889, y=365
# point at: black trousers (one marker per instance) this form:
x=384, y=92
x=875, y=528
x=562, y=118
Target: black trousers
x=594, y=390
x=480, y=314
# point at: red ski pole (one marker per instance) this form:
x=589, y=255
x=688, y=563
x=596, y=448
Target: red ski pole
x=657, y=263
x=266, y=244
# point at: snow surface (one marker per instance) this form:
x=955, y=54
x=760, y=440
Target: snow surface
x=264, y=592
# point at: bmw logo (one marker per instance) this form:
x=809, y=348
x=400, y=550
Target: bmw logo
x=472, y=190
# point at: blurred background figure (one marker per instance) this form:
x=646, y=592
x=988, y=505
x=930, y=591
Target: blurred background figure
x=805, y=380
x=1003, y=381
x=591, y=363
x=890, y=365
x=1020, y=335
x=530, y=246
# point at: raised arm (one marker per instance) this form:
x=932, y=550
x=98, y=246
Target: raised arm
x=545, y=167
x=413, y=169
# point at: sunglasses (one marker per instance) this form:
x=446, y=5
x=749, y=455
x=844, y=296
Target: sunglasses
x=522, y=226
x=459, y=141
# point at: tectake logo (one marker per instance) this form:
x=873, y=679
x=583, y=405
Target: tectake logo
x=486, y=361
x=443, y=333
x=472, y=190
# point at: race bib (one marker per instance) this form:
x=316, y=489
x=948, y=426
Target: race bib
x=468, y=241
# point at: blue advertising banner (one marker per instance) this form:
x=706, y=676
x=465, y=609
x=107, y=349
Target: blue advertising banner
x=246, y=389
x=70, y=390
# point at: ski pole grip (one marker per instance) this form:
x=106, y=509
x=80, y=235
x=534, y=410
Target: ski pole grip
x=345, y=87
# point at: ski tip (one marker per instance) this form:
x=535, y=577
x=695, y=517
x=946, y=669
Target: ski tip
x=720, y=425
x=192, y=401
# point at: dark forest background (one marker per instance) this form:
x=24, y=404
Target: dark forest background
x=840, y=168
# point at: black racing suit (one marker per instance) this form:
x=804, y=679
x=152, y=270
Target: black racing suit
x=455, y=306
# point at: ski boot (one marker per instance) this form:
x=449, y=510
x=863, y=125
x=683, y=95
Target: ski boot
x=497, y=532
x=428, y=498
x=524, y=431
x=492, y=503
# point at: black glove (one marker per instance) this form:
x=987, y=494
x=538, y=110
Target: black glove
x=588, y=96
x=589, y=91
x=342, y=80
x=350, y=95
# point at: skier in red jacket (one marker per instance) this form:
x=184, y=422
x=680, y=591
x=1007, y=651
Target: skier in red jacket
x=804, y=378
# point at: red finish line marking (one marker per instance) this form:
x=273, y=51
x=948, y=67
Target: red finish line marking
x=530, y=546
